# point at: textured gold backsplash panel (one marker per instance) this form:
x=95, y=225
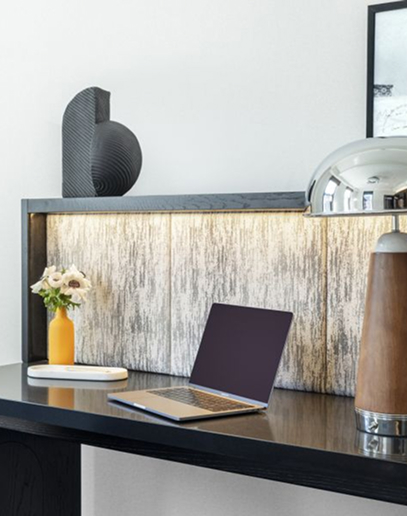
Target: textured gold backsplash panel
x=350, y=242
x=126, y=320
x=156, y=276
x=263, y=260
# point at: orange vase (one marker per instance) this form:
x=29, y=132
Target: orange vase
x=61, y=339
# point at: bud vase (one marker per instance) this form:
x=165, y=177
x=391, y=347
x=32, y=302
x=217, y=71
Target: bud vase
x=61, y=339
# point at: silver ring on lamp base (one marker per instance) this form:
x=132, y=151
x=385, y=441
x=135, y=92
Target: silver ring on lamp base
x=377, y=423
x=382, y=446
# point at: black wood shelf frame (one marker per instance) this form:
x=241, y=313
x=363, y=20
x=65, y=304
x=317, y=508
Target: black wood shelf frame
x=34, y=238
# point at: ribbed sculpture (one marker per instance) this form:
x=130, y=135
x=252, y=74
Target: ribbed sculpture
x=100, y=158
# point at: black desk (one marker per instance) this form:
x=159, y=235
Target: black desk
x=304, y=439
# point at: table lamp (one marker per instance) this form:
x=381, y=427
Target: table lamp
x=369, y=177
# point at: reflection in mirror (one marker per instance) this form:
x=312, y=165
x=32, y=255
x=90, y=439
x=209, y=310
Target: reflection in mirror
x=329, y=193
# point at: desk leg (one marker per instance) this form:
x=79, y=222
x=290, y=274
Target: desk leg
x=39, y=476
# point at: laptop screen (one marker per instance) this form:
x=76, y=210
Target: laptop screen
x=240, y=350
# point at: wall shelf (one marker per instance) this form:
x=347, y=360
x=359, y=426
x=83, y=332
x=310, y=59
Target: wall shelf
x=34, y=237
x=274, y=201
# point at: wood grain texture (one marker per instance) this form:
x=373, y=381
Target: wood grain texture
x=38, y=476
x=34, y=243
x=291, y=201
x=21, y=480
x=126, y=319
x=350, y=242
x=383, y=350
x=264, y=260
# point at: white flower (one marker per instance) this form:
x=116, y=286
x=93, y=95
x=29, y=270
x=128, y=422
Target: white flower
x=55, y=280
x=77, y=294
x=76, y=297
x=84, y=281
x=40, y=285
x=70, y=282
x=48, y=271
x=75, y=284
x=47, y=280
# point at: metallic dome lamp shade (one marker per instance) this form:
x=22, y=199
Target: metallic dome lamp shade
x=369, y=177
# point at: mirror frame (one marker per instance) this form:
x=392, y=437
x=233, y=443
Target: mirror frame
x=373, y=10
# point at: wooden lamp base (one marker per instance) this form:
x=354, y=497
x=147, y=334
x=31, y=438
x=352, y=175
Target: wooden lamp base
x=381, y=392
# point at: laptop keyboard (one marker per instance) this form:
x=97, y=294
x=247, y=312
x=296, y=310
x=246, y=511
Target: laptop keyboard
x=199, y=399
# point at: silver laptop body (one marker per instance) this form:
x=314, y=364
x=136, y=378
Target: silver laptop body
x=234, y=370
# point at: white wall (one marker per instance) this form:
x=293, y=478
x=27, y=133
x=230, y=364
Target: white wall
x=224, y=95
x=125, y=485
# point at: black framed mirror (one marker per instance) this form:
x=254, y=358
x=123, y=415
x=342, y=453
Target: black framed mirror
x=387, y=70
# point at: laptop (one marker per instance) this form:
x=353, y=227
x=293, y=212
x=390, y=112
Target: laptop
x=234, y=370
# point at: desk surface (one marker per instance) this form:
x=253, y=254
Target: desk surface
x=303, y=438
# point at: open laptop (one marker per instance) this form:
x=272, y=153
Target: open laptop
x=234, y=369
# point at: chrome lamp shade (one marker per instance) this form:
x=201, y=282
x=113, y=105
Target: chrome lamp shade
x=369, y=177
x=366, y=177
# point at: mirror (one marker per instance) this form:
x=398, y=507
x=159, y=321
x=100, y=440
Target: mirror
x=387, y=70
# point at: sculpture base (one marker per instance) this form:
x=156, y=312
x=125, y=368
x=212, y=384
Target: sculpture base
x=381, y=424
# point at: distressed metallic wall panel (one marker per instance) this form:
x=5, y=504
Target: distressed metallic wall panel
x=350, y=242
x=126, y=256
x=156, y=276
x=258, y=259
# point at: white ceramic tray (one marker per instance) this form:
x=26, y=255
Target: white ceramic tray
x=78, y=372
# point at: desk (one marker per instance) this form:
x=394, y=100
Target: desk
x=303, y=438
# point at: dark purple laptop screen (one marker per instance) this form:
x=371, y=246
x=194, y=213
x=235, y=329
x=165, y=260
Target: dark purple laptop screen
x=240, y=350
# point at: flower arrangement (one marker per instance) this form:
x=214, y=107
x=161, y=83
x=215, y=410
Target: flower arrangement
x=65, y=288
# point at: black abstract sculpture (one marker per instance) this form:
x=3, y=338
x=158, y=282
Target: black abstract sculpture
x=99, y=157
